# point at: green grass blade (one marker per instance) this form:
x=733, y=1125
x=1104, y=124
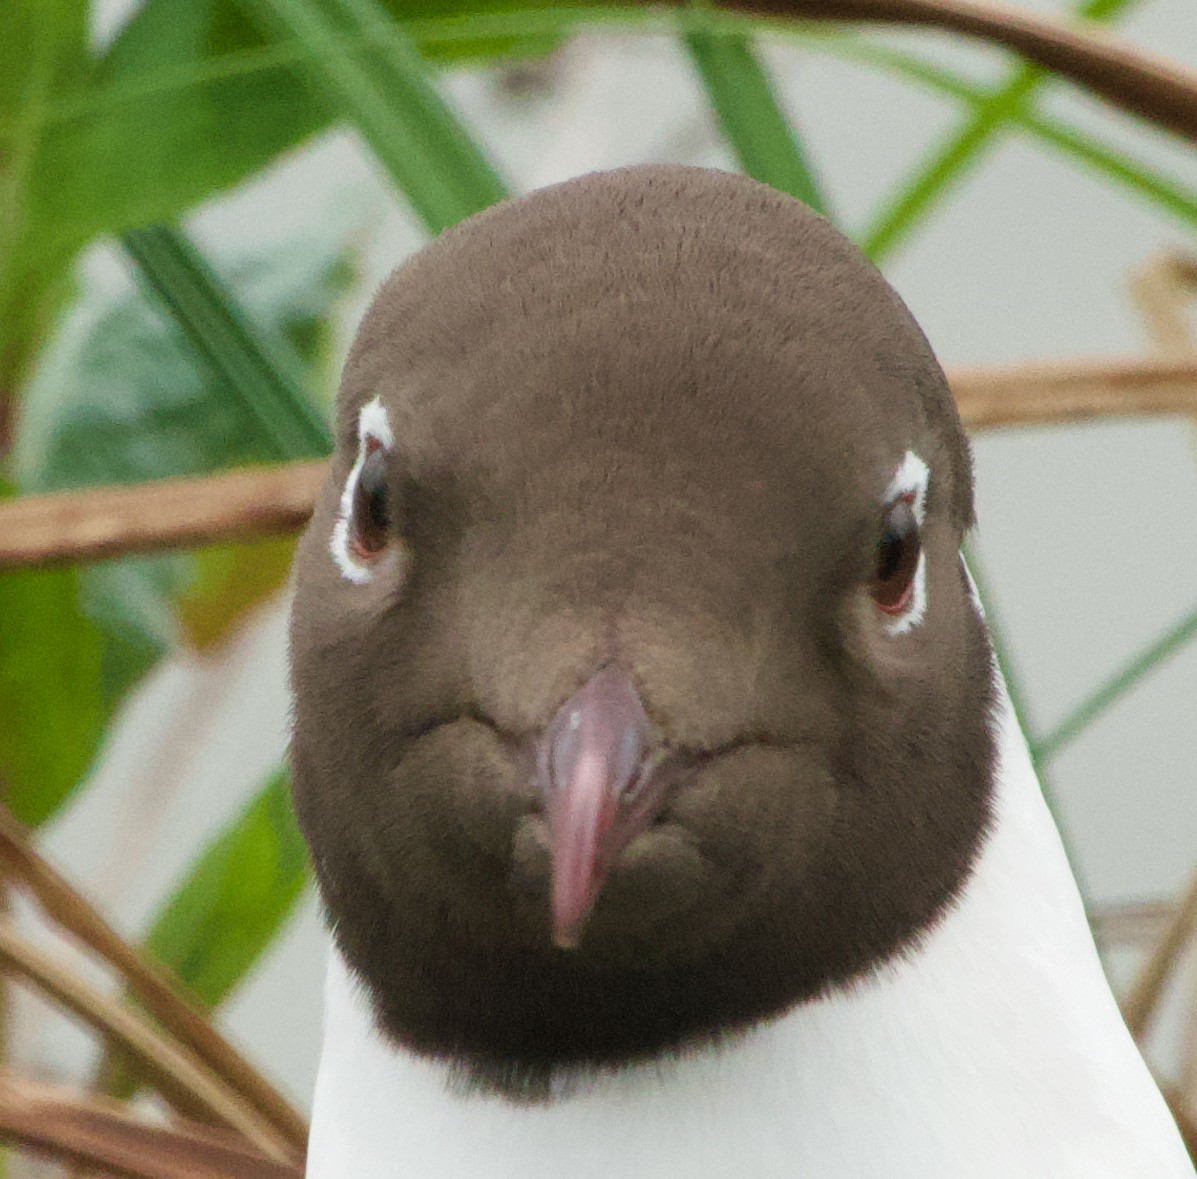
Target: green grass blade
x=370, y=67
x=947, y=163
x=1137, y=177
x=750, y=116
x=1102, y=697
x=261, y=371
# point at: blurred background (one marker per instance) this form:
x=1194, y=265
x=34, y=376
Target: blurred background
x=143, y=701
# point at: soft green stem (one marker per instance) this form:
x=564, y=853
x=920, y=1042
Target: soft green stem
x=764, y=140
x=947, y=164
x=384, y=90
x=1124, y=170
x=1093, y=705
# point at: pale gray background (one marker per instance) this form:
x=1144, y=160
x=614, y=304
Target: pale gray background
x=1088, y=535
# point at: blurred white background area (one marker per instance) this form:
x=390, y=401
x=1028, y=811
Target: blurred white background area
x=1087, y=538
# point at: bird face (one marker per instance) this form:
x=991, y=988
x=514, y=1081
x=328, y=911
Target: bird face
x=639, y=693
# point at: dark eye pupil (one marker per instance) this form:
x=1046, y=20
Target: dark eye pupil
x=897, y=557
x=889, y=556
x=371, y=511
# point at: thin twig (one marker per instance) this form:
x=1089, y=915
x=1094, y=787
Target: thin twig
x=63, y=904
x=1130, y=923
x=1155, y=88
x=176, y=1074
x=1164, y=289
x=241, y=505
x=168, y=513
x=103, y=1135
x=1143, y=1000
x=1070, y=391
x=1186, y=1073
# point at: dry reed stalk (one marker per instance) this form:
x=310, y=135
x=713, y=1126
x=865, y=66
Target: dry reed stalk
x=177, y=513
x=1163, y=290
x=1155, y=88
x=1143, y=999
x=182, y=1080
x=1184, y=1120
x=104, y=1136
x=152, y=987
x=1130, y=923
x=1056, y=392
x=116, y=521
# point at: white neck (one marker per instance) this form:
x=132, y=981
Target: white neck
x=993, y=1050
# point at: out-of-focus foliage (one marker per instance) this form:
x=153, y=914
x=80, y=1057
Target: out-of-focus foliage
x=750, y=115
x=234, y=898
x=121, y=396
x=52, y=708
x=369, y=68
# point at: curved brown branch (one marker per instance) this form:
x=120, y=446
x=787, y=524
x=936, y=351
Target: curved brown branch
x=178, y=513
x=1159, y=90
x=98, y=1134
x=116, y=521
x=187, y=1085
x=1071, y=391
x=64, y=905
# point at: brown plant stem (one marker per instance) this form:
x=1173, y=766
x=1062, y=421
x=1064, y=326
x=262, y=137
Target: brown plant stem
x=168, y=513
x=1130, y=923
x=1184, y=1121
x=1164, y=288
x=186, y=1084
x=1044, y=392
x=1143, y=999
x=145, y=980
x=1159, y=90
x=271, y=501
x=105, y=1136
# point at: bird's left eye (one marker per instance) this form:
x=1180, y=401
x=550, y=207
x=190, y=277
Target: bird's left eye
x=370, y=524
x=897, y=559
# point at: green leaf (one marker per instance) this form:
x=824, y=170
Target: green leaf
x=132, y=152
x=741, y=95
x=235, y=898
x=378, y=80
x=161, y=123
x=261, y=372
x=52, y=707
x=946, y=164
x=43, y=56
x=121, y=397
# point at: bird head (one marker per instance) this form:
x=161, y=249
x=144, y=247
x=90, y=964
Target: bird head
x=639, y=691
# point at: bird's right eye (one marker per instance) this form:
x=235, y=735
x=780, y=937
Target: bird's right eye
x=898, y=550
x=370, y=521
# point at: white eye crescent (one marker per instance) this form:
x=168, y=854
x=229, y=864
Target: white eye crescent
x=899, y=585
x=363, y=528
